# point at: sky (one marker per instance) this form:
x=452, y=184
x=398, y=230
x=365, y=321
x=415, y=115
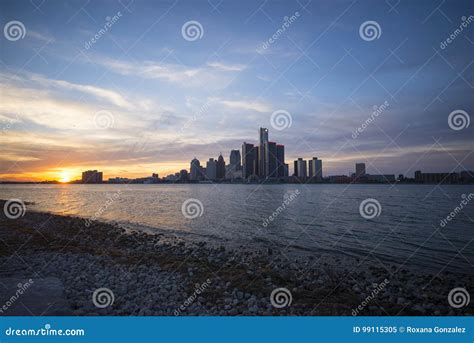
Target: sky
x=135, y=87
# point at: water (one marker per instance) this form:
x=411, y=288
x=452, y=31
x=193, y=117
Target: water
x=318, y=219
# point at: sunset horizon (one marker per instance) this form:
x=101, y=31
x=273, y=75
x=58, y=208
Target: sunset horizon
x=132, y=100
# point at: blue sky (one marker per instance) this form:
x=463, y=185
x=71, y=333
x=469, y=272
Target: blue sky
x=166, y=99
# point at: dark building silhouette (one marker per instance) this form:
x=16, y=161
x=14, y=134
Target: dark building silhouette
x=256, y=165
x=211, y=169
x=466, y=176
x=301, y=170
x=183, y=175
x=220, y=171
x=235, y=159
x=271, y=159
x=280, y=153
x=265, y=160
x=262, y=152
x=315, y=169
x=360, y=170
x=249, y=160
x=435, y=177
x=195, y=171
x=91, y=176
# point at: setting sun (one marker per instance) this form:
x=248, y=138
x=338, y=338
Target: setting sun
x=65, y=176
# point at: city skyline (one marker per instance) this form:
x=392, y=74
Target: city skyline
x=140, y=97
x=265, y=163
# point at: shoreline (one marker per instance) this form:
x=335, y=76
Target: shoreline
x=163, y=274
x=239, y=183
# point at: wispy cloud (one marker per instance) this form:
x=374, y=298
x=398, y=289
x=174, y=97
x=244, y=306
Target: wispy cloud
x=214, y=75
x=246, y=105
x=226, y=67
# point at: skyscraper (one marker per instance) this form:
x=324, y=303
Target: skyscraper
x=211, y=169
x=280, y=160
x=262, y=152
x=183, y=175
x=360, y=170
x=220, y=170
x=235, y=159
x=249, y=160
x=300, y=168
x=315, y=169
x=271, y=159
x=91, y=176
x=195, y=170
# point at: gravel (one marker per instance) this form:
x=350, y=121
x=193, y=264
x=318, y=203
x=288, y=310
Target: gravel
x=163, y=274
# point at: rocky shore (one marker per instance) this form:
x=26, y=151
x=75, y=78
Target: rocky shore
x=103, y=269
